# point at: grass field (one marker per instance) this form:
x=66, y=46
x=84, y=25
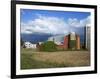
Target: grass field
x=32, y=59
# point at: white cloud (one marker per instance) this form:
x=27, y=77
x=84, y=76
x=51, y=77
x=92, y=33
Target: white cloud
x=86, y=21
x=52, y=25
x=78, y=23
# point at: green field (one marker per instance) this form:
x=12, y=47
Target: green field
x=32, y=59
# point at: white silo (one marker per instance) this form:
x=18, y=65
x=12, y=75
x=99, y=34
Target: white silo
x=88, y=36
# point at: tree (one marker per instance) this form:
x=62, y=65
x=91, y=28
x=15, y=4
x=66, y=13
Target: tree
x=48, y=46
x=22, y=42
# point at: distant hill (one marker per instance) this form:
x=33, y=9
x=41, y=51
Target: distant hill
x=35, y=38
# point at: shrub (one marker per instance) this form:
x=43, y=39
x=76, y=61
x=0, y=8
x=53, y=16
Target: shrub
x=22, y=42
x=48, y=46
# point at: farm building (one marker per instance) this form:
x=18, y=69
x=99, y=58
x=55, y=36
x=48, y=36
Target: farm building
x=70, y=41
x=29, y=45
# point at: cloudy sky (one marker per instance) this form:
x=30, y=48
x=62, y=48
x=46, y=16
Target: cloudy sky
x=52, y=22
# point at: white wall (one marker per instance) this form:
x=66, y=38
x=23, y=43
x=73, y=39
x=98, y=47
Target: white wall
x=5, y=40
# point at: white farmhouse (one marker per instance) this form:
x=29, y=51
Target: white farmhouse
x=29, y=45
x=40, y=43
